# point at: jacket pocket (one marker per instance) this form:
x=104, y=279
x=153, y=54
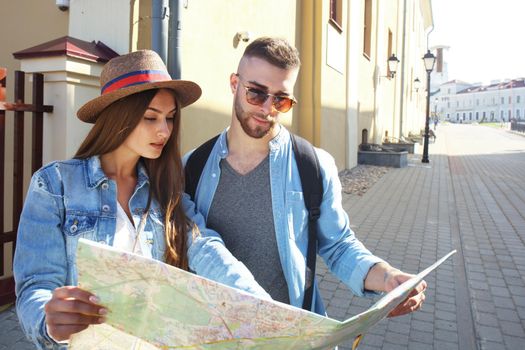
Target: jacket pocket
x=80, y=225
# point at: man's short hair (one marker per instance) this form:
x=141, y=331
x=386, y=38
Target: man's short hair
x=275, y=51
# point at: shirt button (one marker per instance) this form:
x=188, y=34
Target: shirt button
x=105, y=207
x=105, y=186
x=73, y=228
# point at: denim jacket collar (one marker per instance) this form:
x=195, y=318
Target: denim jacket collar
x=96, y=176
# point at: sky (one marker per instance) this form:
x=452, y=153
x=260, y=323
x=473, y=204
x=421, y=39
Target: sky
x=486, y=38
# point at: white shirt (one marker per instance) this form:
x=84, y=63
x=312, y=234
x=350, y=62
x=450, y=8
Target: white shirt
x=126, y=236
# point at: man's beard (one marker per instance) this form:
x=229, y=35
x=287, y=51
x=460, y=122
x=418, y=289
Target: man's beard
x=243, y=117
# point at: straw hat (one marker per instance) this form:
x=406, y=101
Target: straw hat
x=132, y=73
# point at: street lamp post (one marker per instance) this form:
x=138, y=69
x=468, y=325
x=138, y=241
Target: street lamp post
x=429, y=59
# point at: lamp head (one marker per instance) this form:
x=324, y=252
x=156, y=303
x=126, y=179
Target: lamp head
x=392, y=65
x=429, y=59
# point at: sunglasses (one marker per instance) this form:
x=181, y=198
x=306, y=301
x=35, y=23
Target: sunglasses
x=258, y=97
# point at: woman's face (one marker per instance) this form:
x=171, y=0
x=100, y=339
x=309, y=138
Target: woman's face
x=153, y=131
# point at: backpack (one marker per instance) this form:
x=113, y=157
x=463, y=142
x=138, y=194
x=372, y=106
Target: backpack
x=312, y=184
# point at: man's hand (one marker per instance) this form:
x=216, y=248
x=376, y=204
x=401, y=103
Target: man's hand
x=383, y=278
x=70, y=311
x=415, y=299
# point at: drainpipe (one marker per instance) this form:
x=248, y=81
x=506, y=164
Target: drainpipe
x=159, y=28
x=174, y=45
x=402, y=72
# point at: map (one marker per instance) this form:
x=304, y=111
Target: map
x=153, y=305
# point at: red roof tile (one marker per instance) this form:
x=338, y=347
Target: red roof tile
x=68, y=46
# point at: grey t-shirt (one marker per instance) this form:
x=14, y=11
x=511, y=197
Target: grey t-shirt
x=241, y=211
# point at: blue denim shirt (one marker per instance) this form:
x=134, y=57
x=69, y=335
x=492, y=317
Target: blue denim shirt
x=343, y=253
x=73, y=199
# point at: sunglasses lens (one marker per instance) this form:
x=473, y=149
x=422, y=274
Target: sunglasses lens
x=283, y=104
x=256, y=97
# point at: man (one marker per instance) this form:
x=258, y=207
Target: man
x=250, y=191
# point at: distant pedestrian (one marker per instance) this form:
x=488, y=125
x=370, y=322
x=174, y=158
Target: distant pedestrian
x=436, y=120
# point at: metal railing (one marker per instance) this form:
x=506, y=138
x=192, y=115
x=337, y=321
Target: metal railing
x=19, y=108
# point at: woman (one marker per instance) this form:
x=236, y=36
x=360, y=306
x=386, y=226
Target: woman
x=124, y=187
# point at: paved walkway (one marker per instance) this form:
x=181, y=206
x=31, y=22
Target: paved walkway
x=471, y=197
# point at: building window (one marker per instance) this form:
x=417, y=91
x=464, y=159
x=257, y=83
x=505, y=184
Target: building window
x=336, y=14
x=503, y=100
x=477, y=102
x=463, y=116
x=457, y=103
x=484, y=115
x=470, y=116
x=449, y=91
x=367, y=40
x=457, y=116
x=477, y=115
x=510, y=114
x=448, y=104
x=517, y=113
x=518, y=99
x=510, y=100
x=501, y=115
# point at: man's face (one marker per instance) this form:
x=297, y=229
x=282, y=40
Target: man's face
x=255, y=74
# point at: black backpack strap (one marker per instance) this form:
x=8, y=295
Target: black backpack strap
x=195, y=165
x=312, y=184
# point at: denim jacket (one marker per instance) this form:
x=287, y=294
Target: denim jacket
x=343, y=253
x=73, y=199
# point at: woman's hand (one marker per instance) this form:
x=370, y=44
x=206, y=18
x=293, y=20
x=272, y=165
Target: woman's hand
x=72, y=310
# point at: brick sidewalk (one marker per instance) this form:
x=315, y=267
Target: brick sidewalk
x=471, y=197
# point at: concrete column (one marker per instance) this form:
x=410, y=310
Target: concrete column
x=68, y=83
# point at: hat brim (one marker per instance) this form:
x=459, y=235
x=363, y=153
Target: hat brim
x=187, y=92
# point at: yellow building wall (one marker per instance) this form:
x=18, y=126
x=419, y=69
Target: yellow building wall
x=387, y=100
x=416, y=48
x=333, y=123
x=367, y=80
x=210, y=52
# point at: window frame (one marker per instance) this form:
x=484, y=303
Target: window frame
x=336, y=14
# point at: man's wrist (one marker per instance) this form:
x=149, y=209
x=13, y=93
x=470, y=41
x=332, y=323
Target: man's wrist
x=377, y=276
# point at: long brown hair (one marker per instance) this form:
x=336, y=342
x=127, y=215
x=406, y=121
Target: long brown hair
x=166, y=175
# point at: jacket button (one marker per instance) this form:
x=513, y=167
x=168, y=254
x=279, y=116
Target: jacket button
x=105, y=186
x=73, y=228
x=105, y=207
